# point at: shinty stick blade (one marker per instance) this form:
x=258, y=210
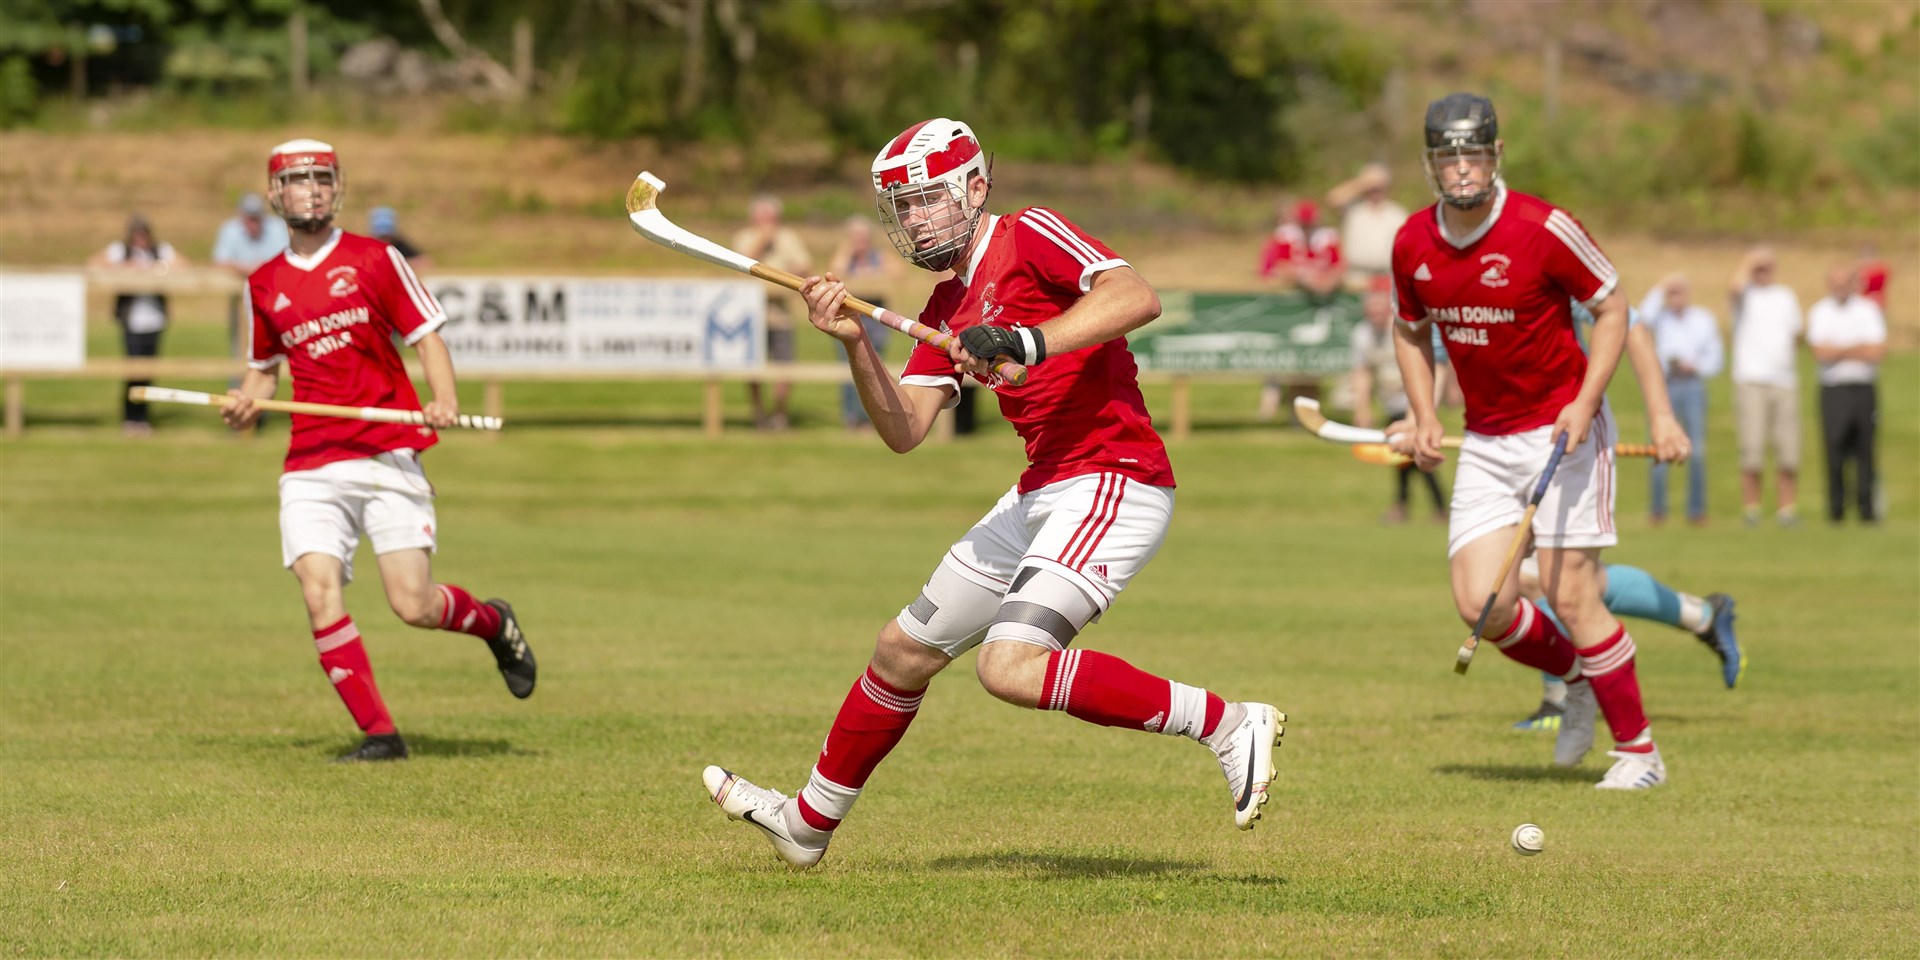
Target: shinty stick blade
x=645, y=192
x=1379, y=454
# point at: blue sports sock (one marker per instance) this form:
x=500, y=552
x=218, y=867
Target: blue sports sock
x=1633, y=592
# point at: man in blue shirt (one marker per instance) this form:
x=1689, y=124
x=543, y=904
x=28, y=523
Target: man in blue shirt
x=246, y=241
x=1687, y=341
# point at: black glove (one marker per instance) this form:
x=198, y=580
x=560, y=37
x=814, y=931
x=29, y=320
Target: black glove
x=1022, y=345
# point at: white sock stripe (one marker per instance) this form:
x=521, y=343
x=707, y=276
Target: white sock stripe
x=889, y=700
x=827, y=798
x=1522, y=622
x=1063, y=685
x=1610, y=660
x=446, y=605
x=337, y=638
x=1186, y=710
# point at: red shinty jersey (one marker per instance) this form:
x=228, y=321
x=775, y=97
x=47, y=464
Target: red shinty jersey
x=1501, y=297
x=332, y=317
x=1079, y=412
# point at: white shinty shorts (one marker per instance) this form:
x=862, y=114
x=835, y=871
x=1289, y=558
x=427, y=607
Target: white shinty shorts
x=325, y=510
x=1096, y=531
x=1497, y=475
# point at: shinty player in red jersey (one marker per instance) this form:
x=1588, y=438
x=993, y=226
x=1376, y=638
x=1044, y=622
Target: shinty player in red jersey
x=1052, y=555
x=1498, y=269
x=329, y=307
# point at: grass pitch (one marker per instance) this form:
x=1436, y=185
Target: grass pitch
x=164, y=731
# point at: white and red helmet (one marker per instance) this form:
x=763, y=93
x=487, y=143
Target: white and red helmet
x=929, y=162
x=304, y=158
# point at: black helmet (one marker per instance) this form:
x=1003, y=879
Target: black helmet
x=1460, y=120
x=1461, y=123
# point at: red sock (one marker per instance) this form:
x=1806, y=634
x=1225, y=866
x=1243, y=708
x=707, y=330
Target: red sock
x=345, y=663
x=1608, y=665
x=460, y=611
x=1104, y=689
x=871, y=721
x=1534, y=640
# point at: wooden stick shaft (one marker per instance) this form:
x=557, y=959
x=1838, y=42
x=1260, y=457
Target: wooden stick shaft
x=372, y=414
x=1465, y=656
x=1008, y=370
x=1384, y=454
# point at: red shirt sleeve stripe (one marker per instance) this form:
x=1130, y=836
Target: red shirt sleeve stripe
x=1569, y=232
x=1049, y=226
x=423, y=301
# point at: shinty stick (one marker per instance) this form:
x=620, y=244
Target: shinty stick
x=373, y=414
x=643, y=212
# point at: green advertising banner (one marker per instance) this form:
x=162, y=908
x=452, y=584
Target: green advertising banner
x=1279, y=333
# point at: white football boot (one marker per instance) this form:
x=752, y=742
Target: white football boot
x=763, y=808
x=1634, y=771
x=1246, y=757
x=1576, y=725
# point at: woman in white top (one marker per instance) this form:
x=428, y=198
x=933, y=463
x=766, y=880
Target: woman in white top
x=142, y=316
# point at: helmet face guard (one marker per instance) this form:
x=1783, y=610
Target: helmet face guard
x=1463, y=142
x=1444, y=168
x=922, y=181
x=931, y=224
x=316, y=167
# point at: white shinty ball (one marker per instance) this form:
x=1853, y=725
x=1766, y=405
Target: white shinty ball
x=1528, y=840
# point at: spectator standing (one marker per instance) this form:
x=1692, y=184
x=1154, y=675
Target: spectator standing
x=1368, y=222
x=1301, y=251
x=142, y=316
x=1375, y=369
x=870, y=277
x=1848, y=334
x=248, y=239
x=1304, y=254
x=1766, y=385
x=383, y=224
x=765, y=239
x=1687, y=339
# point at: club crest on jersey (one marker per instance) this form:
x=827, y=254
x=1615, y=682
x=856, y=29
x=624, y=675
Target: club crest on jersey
x=346, y=280
x=1496, y=273
x=990, y=311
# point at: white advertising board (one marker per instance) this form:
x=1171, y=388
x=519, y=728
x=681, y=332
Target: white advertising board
x=43, y=321
x=573, y=323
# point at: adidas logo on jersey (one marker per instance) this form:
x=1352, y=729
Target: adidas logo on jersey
x=1423, y=273
x=281, y=303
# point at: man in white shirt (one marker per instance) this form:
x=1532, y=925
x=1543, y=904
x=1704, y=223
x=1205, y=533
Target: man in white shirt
x=1848, y=335
x=1368, y=224
x=1687, y=341
x=1766, y=385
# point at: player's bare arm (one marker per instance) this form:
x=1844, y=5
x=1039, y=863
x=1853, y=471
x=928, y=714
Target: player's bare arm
x=255, y=385
x=1869, y=352
x=444, y=408
x=1413, y=350
x=1603, y=357
x=1118, y=302
x=1670, y=442
x=902, y=415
